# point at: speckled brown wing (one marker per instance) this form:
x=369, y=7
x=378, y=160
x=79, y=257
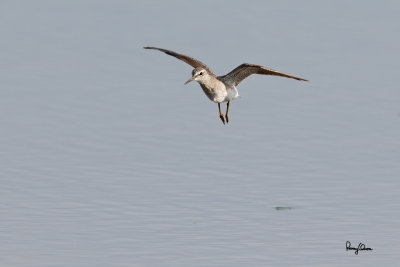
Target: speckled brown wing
x=246, y=69
x=189, y=60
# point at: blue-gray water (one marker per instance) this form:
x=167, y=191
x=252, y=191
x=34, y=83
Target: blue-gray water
x=107, y=159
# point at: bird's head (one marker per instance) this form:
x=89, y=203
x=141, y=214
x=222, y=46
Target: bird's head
x=198, y=74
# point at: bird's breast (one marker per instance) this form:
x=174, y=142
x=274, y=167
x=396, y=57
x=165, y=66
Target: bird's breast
x=216, y=92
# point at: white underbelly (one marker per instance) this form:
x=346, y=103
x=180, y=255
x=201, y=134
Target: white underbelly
x=220, y=93
x=232, y=93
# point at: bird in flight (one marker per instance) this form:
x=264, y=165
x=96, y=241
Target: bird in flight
x=221, y=89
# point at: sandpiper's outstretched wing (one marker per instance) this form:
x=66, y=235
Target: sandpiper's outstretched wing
x=189, y=60
x=246, y=69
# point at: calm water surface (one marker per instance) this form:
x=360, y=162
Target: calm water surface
x=107, y=159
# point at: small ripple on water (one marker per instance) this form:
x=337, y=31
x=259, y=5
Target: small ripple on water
x=283, y=208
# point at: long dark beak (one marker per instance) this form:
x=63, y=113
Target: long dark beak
x=188, y=81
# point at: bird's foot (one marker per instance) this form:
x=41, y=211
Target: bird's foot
x=222, y=118
x=226, y=118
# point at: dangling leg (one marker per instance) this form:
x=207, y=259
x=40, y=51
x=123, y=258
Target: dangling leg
x=227, y=110
x=220, y=113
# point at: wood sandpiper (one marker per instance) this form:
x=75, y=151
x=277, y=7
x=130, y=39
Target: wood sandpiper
x=222, y=88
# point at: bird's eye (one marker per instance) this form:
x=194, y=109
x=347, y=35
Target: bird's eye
x=201, y=73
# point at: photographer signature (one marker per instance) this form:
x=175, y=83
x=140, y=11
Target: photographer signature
x=361, y=246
